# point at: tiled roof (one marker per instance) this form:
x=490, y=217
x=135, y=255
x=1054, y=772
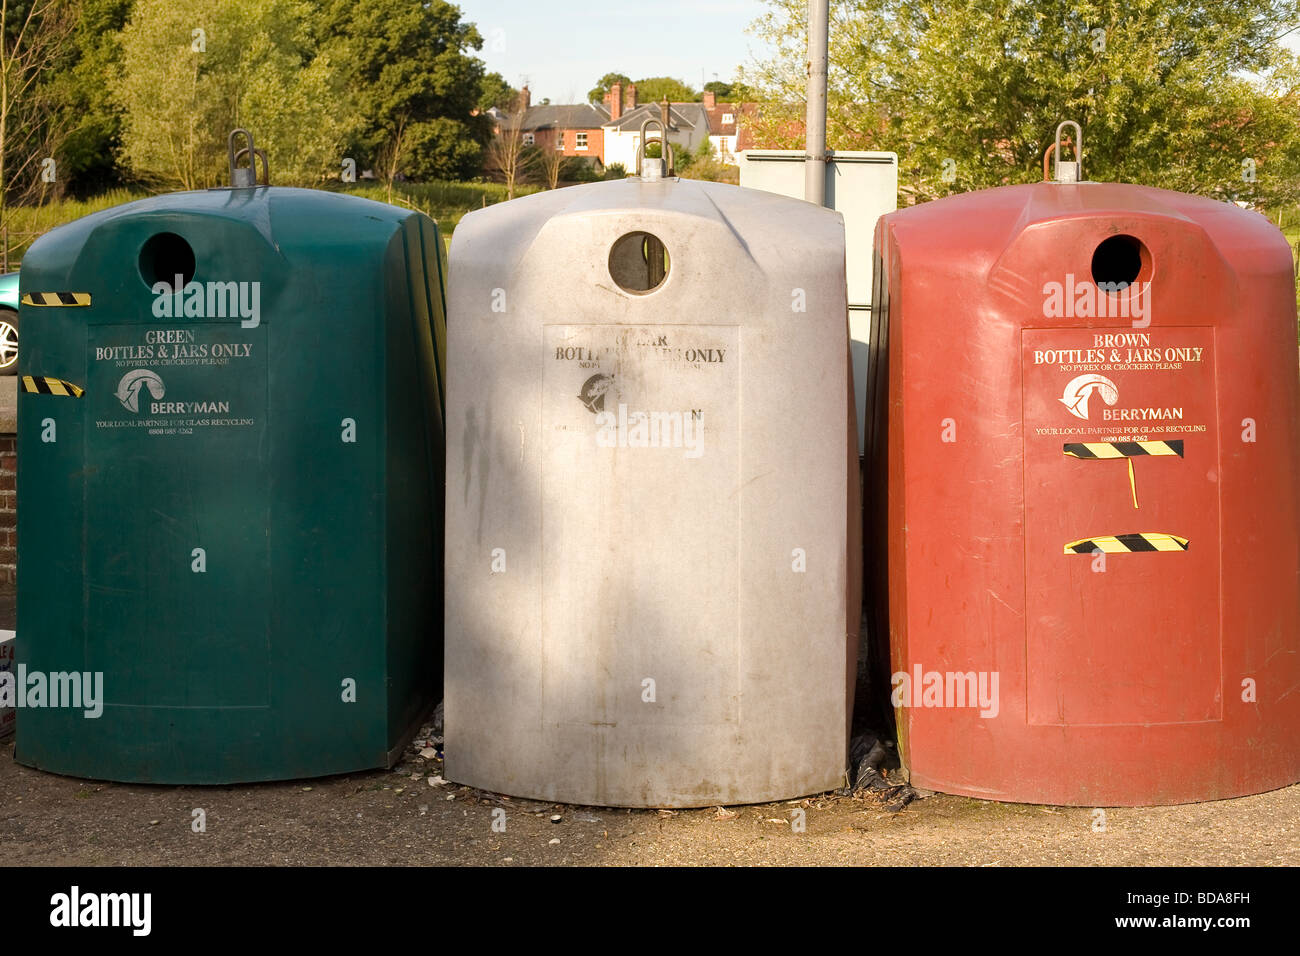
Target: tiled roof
x=680, y=116
x=716, y=126
x=579, y=116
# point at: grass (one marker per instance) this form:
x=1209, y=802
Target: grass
x=1288, y=220
x=445, y=202
x=25, y=224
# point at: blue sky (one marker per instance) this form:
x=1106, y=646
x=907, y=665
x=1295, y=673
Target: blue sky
x=562, y=47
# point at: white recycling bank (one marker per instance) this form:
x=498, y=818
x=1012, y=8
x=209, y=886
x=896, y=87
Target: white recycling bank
x=653, y=556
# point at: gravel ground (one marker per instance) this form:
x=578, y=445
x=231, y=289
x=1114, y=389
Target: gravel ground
x=410, y=816
x=399, y=817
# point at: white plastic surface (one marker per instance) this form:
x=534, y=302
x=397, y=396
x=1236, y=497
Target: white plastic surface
x=664, y=625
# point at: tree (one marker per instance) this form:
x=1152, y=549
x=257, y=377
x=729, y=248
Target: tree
x=655, y=88
x=719, y=89
x=507, y=156
x=32, y=34
x=597, y=93
x=549, y=161
x=1172, y=93
x=222, y=64
x=79, y=100
x=494, y=91
x=411, y=69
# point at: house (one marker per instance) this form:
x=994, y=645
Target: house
x=574, y=130
x=687, y=124
x=610, y=132
x=724, y=126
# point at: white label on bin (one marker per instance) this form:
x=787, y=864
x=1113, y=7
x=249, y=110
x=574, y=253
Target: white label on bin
x=640, y=521
x=175, y=381
x=1121, y=462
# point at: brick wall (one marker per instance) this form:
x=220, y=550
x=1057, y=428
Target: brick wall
x=8, y=508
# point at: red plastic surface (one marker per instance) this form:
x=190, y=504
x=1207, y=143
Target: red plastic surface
x=1123, y=677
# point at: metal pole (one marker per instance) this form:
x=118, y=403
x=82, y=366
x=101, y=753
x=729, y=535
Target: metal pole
x=814, y=186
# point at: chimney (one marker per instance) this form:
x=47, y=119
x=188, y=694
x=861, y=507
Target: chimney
x=616, y=101
x=525, y=98
x=710, y=101
x=631, y=97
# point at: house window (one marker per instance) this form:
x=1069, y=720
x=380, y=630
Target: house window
x=528, y=139
x=559, y=141
x=728, y=118
x=582, y=140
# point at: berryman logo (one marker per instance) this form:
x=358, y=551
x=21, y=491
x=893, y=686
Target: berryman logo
x=135, y=381
x=1080, y=389
x=128, y=390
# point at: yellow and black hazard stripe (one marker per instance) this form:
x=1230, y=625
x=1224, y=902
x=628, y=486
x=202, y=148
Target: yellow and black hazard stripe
x=1127, y=543
x=56, y=298
x=46, y=385
x=1122, y=449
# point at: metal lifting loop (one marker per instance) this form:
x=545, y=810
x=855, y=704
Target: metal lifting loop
x=266, y=169
x=1069, y=172
x=246, y=176
x=666, y=169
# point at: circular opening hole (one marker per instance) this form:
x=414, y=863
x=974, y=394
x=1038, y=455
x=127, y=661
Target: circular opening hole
x=1117, y=262
x=164, y=257
x=638, y=262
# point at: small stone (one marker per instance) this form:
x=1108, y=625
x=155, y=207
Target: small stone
x=154, y=823
x=305, y=789
x=555, y=842
x=556, y=818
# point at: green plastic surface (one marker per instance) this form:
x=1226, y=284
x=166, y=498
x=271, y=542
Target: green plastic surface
x=321, y=557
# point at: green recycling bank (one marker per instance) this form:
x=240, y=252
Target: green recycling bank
x=231, y=486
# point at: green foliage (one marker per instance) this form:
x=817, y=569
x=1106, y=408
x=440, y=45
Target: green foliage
x=597, y=93
x=35, y=37
x=615, y=171
x=578, y=169
x=495, y=91
x=258, y=69
x=1288, y=220
x=415, y=84
x=652, y=89
x=722, y=91
x=445, y=202
x=27, y=223
x=1173, y=93
x=86, y=110
x=655, y=88
x=700, y=163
